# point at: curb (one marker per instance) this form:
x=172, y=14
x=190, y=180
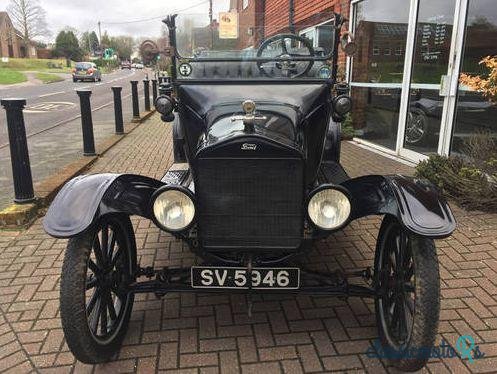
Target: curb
x=22, y=215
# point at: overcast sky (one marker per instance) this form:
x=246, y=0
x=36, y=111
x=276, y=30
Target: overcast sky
x=84, y=14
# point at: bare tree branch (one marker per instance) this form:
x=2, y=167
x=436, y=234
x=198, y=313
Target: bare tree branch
x=29, y=18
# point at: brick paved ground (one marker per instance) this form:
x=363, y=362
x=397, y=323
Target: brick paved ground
x=209, y=333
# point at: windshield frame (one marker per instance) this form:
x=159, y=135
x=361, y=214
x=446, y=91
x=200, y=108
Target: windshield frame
x=170, y=22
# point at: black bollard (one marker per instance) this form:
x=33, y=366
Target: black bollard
x=154, y=90
x=86, y=123
x=118, y=110
x=19, y=155
x=146, y=92
x=134, y=97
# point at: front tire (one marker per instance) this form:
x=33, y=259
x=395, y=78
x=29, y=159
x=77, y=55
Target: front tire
x=408, y=286
x=95, y=306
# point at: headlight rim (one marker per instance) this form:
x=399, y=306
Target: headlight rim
x=163, y=189
x=329, y=187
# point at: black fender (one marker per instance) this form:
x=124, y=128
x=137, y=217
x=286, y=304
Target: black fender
x=416, y=203
x=86, y=198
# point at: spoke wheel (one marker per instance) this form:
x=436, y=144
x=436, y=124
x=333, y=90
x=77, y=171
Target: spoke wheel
x=95, y=305
x=416, y=127
x=408, y=293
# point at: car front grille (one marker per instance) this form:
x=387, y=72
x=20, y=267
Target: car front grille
x=249, y=203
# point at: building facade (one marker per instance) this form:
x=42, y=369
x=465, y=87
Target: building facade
x=406, y=75
x=9, y=41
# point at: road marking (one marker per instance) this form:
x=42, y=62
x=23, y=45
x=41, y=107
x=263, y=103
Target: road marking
x=67, y=120
x=52, y=93
x=49, y=106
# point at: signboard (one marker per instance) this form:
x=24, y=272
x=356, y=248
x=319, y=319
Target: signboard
x=5, y=59
x=228, y=25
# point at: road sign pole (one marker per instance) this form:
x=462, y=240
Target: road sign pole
x=118, y=110
x=134, y=98
x=146, y=92
x=19, y=155
x=86, y=123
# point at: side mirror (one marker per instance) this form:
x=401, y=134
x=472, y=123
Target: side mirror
x=348, y=44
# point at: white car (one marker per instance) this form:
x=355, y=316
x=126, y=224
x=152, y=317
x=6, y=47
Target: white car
x=137, y=66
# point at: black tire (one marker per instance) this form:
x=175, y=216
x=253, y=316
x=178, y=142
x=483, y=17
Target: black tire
x=417, y=286
x=82, y=288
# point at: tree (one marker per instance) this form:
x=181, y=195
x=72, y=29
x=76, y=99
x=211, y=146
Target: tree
x=122, y=45
x=89, y=42
x=485, y=84
x=29, y=18
x=66, y=45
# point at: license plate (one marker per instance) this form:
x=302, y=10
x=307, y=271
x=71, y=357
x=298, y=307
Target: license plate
x=238, y=277
x=82, y=72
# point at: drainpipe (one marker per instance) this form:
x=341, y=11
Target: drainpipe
x=291, y=13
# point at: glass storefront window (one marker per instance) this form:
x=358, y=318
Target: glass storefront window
x=376, y=114
x=476, y=113
x=381, y=27
x=377, y=69
x=430, y=63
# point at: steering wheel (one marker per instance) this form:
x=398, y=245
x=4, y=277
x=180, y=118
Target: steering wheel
x=286, y=65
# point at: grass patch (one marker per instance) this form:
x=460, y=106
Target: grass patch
x=49, y=78
x=8, y=76
x=36, y=64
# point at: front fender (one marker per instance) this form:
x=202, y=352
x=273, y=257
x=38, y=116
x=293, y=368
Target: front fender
x=415, y=202
x=84, y=199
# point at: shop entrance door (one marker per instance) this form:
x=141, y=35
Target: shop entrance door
x=435, y=40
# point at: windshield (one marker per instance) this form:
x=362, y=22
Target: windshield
x=251, y=39
x=83, y=65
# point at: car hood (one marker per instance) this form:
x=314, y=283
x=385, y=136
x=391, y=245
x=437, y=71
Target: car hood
x=213, y=101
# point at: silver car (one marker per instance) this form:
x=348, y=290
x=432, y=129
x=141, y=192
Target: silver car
x=86, y=71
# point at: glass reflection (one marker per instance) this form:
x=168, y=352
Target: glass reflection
x=476, y=113
x=430, y=64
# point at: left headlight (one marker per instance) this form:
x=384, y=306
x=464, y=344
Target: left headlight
x=173, y=208
x=329, y=208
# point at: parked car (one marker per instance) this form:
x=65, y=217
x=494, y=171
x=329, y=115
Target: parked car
x=86, y=71
x=137, y=65
x=126, y=65
x=256, y=181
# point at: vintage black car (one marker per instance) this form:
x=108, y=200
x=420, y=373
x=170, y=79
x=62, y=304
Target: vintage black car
x=256, y=181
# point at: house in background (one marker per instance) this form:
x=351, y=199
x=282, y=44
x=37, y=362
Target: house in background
x=11, y=41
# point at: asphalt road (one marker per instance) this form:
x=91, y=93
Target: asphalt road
x=53, y=124
x=50, y=105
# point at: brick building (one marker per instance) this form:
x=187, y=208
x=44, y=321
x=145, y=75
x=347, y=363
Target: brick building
x=9, y=40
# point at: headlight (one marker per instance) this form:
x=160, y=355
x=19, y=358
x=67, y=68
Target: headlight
x=329, y=208
x=164, y=105
x=173, y=208
x=342, y=104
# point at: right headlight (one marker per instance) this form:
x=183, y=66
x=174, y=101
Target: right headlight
x=329, y=208
x=173, y=208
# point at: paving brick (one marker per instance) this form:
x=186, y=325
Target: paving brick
x=211, y=333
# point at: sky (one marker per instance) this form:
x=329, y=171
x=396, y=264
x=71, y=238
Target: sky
x=84, y=15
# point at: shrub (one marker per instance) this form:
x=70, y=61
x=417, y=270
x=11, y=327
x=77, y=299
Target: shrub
x=471, y=178
x=348, y=131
